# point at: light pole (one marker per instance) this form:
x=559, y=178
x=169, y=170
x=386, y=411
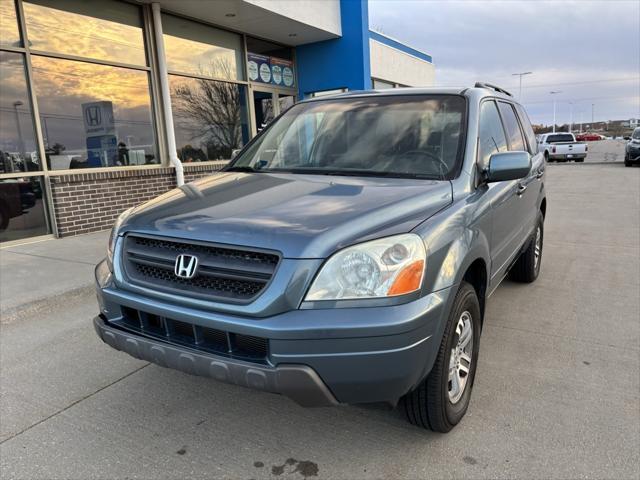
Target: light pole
x=570, y=116
x=593, y=106
x=554, y=108
x=522, y=74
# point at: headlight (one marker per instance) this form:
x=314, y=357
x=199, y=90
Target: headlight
x=381, y=268
x=114, y=235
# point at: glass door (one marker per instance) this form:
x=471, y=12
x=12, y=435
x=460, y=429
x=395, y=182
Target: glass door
x=264, y=109
x=268, y=104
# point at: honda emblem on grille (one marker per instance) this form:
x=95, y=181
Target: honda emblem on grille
x=186, y=266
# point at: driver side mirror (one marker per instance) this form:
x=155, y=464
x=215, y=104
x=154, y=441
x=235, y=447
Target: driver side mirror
x=505, y=166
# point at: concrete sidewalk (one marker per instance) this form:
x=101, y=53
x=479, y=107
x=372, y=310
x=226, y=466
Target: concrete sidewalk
x=32, y=272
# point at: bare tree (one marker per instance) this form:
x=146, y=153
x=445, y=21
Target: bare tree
x=212, y=108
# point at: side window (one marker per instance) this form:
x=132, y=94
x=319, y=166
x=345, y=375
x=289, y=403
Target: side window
x=491, y=138
x=516, y=140
x=528, y=130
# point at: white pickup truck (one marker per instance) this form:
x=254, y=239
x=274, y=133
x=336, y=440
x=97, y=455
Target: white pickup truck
x=561, y=147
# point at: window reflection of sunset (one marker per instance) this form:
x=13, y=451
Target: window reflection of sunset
x=60, y=31
x=8, y=24
x=68, y=83
x=188, y=56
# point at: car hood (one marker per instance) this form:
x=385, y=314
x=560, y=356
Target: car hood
x=301, y=216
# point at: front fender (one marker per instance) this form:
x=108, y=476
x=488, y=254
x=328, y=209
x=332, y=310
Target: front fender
x=455, y=238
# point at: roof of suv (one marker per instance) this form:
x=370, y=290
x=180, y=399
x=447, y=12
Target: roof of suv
x=479, y=91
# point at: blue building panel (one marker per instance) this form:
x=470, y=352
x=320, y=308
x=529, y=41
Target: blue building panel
x=341, y=62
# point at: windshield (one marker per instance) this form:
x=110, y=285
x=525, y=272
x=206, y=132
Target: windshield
x=636, y=134
x=400, y=136
x=560, y=138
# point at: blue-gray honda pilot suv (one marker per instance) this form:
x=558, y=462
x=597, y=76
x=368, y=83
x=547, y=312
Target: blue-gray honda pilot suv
x=344, y=256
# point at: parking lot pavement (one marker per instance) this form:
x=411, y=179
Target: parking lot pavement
x=557, y=393
x=606, y=151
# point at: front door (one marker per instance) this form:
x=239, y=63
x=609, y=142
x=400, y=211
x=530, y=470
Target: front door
x=268, y=104
x=506, y=231
x=264, y=108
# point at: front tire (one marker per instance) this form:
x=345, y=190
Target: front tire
x=527, y=267
x=440, y=401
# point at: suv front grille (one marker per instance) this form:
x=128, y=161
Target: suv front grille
x=219, y=342
x=224, y=274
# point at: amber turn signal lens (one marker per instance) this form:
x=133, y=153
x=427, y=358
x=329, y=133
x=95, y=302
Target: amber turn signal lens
x=408, y=280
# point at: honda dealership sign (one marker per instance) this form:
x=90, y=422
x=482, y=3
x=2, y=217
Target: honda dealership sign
x=98, y=118
x=100, y=132
x=272, y=70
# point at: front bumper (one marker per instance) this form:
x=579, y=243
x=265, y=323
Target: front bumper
x=315, y=357
x=298, y=382
x=633, y=154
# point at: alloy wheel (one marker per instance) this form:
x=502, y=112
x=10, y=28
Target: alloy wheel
x=537, y=249
x=460, y=358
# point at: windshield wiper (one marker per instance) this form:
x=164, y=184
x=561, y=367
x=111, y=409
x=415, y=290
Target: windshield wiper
x=240, y=169
x=356, y=173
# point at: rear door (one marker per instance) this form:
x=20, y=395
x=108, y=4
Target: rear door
x=537, y=168
x=506, y=227
x=525, y=191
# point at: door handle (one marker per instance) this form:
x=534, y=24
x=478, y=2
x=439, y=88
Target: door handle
x=521, y=188
x=540, y=173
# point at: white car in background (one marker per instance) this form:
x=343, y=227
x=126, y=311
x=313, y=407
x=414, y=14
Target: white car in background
x=561, y=147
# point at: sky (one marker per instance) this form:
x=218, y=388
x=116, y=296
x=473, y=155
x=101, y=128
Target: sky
x=587, y=50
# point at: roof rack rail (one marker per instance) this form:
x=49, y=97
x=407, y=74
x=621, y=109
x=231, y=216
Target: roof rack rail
x=492, y=87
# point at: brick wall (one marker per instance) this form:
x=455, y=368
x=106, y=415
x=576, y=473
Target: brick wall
x=88, y=202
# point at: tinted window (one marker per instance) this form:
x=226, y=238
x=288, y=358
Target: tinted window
x=402, y=136
x=18, y=150
x=202, y=50
x=99, y=29
x=514, y=134
x=93, y=115
x=528, y=130
x=560, y=138
x=9, y=24
x=636, y=134
x=491, y=138
x=22, y=208
x=210, y=118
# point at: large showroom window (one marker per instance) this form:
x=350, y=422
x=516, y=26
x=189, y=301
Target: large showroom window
x=18, y=146
x=210, y=114
x=91, y=82
x=22, y=191
x=93, y=115
x=9, y=33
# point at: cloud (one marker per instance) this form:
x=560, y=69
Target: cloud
x=590, y=50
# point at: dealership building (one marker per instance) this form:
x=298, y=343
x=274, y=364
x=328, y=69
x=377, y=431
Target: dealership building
x=105, y=104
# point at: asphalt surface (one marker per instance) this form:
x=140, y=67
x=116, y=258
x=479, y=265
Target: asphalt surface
x=605, y=151
x=557, y=393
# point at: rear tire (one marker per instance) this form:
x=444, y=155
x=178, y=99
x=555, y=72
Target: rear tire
x=527, y=267
x=440, y=401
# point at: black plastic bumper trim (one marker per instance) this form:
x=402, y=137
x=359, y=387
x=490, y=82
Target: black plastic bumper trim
x=299, y=382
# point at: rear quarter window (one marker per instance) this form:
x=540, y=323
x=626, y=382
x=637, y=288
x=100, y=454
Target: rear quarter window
x=528, y=129
x=512, y=127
